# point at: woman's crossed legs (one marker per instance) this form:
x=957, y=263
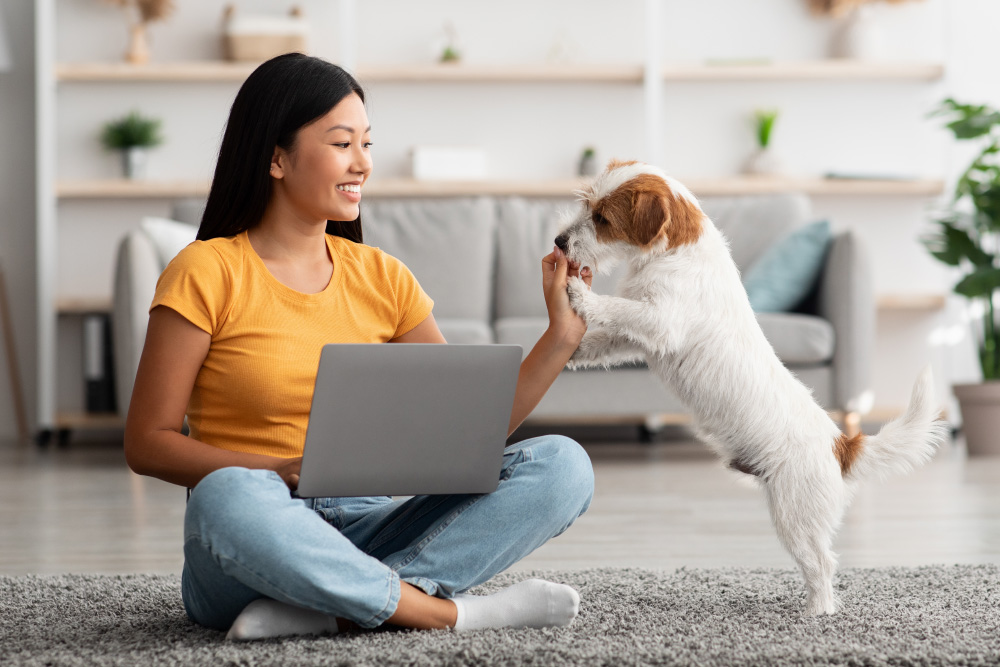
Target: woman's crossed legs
x=276, y=564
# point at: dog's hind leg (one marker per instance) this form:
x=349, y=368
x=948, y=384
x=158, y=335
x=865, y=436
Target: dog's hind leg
x=806, y=514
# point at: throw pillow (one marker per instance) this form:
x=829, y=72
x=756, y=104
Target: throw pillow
x=783, y=276
x=168, y=236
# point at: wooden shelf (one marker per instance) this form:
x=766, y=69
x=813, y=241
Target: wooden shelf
x=84, y=305
x=818, y=70
x=222, y=71
x=525, y=73
x=124, y=189
x=911, y=302
x=226, y=71
x=89, y=420
x=178, y=71
x=813, y=186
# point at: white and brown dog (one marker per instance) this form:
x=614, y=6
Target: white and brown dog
x=682, y=308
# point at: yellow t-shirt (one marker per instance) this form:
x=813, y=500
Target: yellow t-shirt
x=254, y=391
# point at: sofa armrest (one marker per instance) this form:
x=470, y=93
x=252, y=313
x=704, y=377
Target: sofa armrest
x=847, y=300
x=137, y=267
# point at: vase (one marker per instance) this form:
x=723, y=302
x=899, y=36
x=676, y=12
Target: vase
x=858, y=36
x=134, y=163
x=980, y=406
x=588, y=166
x=763, y=162
x=138, y=45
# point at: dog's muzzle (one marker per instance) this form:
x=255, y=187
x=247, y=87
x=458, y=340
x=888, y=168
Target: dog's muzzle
x=562, y=243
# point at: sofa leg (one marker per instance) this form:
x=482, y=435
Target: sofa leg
x=852, y=424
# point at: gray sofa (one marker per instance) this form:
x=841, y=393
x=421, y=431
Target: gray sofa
x=480, y=260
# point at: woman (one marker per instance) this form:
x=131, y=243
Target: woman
x=234, y=338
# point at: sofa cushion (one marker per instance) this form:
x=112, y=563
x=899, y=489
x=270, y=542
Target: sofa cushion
x=523, y=331
x=465, y=332
x=448, y=244
x=785, y=274
x=798, y=339
x=189, y=210
x=169, y=237
x=753, y=223
x=527, y=229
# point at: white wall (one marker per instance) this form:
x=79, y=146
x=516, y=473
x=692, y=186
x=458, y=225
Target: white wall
x=538, y=130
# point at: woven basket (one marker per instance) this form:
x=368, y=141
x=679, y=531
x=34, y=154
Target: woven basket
x=258, y=48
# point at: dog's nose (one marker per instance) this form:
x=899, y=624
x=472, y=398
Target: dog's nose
x=562, y=243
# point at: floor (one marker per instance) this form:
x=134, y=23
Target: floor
x=663, y=505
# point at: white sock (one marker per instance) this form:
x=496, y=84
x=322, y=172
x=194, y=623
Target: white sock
x=265, y=618
x=529, y=604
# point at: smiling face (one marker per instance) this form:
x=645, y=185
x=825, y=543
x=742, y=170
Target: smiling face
x=321, y=177
x=631, y=208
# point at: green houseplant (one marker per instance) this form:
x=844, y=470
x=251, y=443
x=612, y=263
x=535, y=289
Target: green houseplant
x=968, y=237
x=764, y=162
x=132, y=134
x=588, y=162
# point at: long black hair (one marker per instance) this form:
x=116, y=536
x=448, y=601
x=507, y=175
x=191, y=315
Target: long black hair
x=281, y=96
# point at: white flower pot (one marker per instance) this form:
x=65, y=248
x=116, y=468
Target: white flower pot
x=980, y=406
x=764, y=162
x=134, y=163
x=588, y=166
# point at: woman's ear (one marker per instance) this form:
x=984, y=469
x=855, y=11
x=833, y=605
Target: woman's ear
x=278, y=161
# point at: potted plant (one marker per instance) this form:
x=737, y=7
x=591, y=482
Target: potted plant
x=133, y=134
x=764, y=162
x=588, y=163
x=968, y=237
x=448, y=49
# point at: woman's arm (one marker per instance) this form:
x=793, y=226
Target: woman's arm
x=171, y=357
x=425, y=332
x=549, y=355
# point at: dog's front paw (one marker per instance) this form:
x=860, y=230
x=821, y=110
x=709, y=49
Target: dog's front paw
x=579, y=296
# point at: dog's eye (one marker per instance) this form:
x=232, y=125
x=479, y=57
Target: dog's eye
x=598, y=218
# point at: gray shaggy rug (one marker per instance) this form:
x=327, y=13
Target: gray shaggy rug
x=892, y=616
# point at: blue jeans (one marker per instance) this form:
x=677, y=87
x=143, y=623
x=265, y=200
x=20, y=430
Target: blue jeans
x=246, y=537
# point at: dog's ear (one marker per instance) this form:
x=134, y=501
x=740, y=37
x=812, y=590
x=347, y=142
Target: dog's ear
x=657, y=211
x=649, y=215
x=684, y=220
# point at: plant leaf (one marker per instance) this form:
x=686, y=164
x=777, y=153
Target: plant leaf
x=973, y=120
x=981, y=282
x=954, y=244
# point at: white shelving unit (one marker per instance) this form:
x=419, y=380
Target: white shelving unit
x=652, y=74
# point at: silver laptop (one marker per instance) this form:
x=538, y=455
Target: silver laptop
x=399, y=419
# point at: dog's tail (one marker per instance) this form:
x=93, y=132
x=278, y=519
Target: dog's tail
x=902, y=444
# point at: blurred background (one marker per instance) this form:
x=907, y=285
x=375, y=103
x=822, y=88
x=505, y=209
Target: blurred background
x=531, y=88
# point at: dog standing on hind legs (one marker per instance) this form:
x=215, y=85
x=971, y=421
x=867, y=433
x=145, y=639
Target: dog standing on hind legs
x=682, y=308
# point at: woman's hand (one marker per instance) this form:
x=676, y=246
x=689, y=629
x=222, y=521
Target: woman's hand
x=556, y=272
x=289, y=470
